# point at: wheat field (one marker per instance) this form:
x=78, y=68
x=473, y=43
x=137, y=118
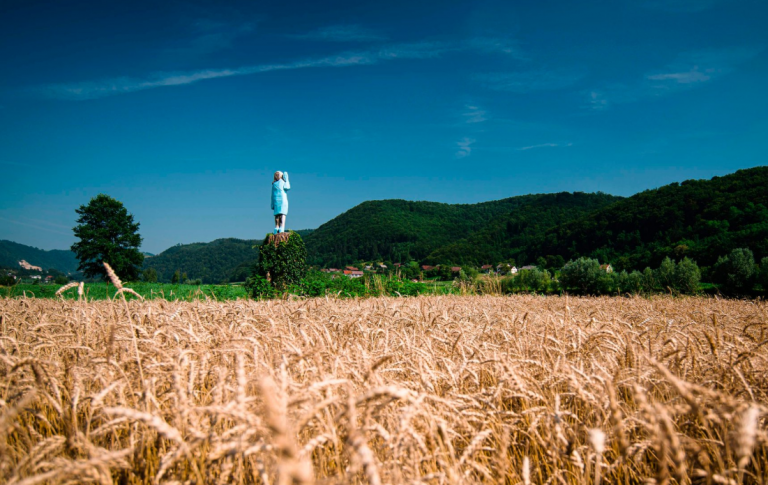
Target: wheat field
x=433, y=390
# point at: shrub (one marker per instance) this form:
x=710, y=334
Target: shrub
x=259, y=288
x=619, y=282
x=282, y=259
x=687, y=276
x=7, y=280
x=736, y=272
x=585, y=276
x=534, y=280
x=649, y=280
x=149, y=275
x=635, y=283
x=665, y=274
x=763, y=276
x=61, y=280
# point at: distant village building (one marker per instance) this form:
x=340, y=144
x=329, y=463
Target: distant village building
x=35, y=277
x=29, y=267
x=353, y=274
x=427, y=267
x=351, y=268
x=506, y=269
x=486, y=268
x=529, y=267
x=607, y=268
x=455, y=269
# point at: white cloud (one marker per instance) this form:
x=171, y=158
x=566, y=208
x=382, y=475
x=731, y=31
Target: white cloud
x=341, y=33
x=473, y=114
x=465, y=147
x=545, y=145
x=108, y=87
x=414, y=50
x=98, y=89
x=689, y=70
x=688, y=77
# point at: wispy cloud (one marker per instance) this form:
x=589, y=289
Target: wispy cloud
x=341, y=33
x=687, y=77
x=545, y=145
x=605, y=97
x=465, y=147
x=529, y=81
x=414, y=50
x=689, y=70
x=109, y=87
x=700, y=66
x=474, y=114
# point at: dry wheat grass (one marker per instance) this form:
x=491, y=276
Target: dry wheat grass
x=432, y=390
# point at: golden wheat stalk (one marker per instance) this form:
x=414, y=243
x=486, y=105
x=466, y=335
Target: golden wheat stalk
x=64, y=288
x=113, y=276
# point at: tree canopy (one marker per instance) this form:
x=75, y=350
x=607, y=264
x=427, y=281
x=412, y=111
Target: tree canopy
x=107, y=233
x=401, y=231
x=701, y=219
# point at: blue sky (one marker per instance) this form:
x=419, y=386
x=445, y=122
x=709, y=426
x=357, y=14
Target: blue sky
x=183, y=111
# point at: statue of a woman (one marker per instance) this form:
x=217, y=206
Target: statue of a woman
x=280, y=185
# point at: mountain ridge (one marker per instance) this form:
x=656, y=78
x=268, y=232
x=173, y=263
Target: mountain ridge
x=702, y=219
x=699, y=218
x=398, y=230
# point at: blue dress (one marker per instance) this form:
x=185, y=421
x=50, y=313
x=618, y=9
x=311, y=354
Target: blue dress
x=279, y=196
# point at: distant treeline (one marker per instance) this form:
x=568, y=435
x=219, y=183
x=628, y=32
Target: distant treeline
x=699, y=219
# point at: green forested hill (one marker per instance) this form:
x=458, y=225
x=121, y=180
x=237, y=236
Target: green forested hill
x=11, y=253
x=400, y=230
x=511, y=235
x=702, y=219
x=211, y=262
x=218, y=261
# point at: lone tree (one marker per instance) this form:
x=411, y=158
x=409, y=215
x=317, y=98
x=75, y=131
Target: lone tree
x=107, y=233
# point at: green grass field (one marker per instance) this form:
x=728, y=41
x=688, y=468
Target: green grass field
x=150, y=291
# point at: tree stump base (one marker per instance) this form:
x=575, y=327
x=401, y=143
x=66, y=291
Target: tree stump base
x=278, y=238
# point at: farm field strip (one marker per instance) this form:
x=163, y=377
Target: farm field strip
x=149, y=291
x=433, y=389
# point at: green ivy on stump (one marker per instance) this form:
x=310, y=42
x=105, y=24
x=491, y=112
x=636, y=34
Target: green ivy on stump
x=282, y=262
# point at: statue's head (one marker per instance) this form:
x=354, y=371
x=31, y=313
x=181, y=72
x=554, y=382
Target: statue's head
x=278, y=174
